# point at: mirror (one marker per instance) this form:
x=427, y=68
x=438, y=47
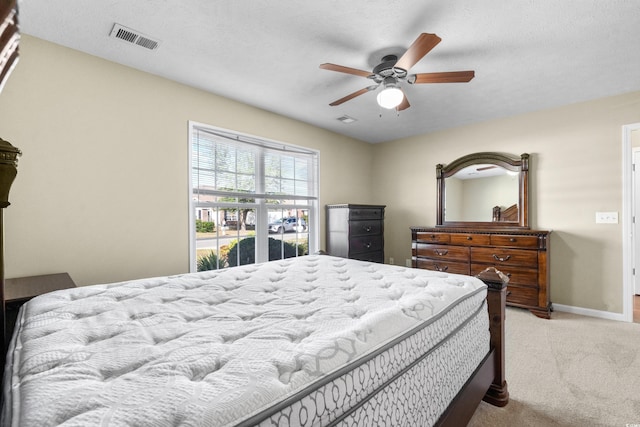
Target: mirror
x=483, y=190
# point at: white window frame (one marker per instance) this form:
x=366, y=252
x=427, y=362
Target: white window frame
x=261, y=208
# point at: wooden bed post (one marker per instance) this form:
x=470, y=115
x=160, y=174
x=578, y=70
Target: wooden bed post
x=498, y=394
x=8, y=170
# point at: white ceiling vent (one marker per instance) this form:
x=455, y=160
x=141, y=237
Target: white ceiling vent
x=346, y=119
x=132, y=36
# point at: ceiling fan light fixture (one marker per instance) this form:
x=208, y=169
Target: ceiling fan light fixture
x=390, y=97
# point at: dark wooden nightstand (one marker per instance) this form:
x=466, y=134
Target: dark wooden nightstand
x=20, y=290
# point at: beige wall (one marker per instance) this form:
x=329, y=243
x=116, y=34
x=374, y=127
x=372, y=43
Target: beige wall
x=576, y=170
x=101, y=190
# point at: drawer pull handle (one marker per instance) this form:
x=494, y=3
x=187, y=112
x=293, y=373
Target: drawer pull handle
x=469, y=238
x=501, y=259
x=367, y=228
x=441, y=253
x=367, y=245
x=433, y=237
x=443, y=269
x=512, y=239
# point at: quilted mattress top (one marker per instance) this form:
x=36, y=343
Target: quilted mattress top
x=210, y=348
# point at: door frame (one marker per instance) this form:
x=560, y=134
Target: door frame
x=627, y=222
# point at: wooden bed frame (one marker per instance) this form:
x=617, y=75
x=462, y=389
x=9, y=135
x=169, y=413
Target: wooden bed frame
x=488, y=382
x=9, y=43
x=506, y=214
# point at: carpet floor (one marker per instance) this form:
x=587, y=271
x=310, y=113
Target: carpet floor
x=568, y=371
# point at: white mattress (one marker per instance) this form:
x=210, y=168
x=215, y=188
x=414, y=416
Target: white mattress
x=222, y=347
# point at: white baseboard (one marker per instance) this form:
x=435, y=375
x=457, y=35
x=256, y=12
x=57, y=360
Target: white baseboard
x=590, y=312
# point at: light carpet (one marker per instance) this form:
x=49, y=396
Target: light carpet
x=568, y=371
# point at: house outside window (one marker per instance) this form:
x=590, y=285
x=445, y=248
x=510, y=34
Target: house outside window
x=251, y=199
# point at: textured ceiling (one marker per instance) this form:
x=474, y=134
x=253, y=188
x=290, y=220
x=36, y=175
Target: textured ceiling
x=528, y=55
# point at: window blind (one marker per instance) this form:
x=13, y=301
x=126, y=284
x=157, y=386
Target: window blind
x=229, y=165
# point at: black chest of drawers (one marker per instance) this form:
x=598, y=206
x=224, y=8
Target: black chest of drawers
x=356, y=231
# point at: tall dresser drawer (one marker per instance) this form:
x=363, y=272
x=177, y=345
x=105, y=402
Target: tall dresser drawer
x=377, y=256
x=365, y=244
x=366, y=213
x=444, y=266
x=444, y=252
x=514, y=241
x=499, y=256
x=363, y=228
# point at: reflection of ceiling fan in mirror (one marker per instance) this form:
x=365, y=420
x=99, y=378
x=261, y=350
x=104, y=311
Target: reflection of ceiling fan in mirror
x=392, y=71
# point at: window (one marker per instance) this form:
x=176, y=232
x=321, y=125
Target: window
x=252, y=200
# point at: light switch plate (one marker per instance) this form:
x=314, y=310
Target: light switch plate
x=606, y=217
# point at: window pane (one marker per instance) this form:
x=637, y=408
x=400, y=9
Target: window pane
x=224, y=237
x=287, y=169
x=288, y=233
x=242, y=184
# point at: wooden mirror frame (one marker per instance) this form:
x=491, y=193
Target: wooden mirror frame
x=520, y=165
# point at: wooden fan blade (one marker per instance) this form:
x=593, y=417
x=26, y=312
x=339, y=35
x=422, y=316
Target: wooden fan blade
x=446, y=77
x=348, y=70
x=404, y=104
x=423, y=45
x=352, y=95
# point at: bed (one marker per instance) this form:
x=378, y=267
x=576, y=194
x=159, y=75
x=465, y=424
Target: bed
x=313, y=340
x=509, y=214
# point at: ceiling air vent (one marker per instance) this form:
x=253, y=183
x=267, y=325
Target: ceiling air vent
x=132, y=36
x=346, y=119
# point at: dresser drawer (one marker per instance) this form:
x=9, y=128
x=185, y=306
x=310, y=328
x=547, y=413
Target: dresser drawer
x=433, y=237
x=517, y=275
x=470, y=239
x=366, y=213
x=364, y=228
x=377, y=256
x=500, y=256
x=365, y=244
x=514, y=241
x=522, y=295
x=444, y=266
x=444, y=252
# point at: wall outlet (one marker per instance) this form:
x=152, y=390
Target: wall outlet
x=391, y=260
x=606, y=217
x=407, y=262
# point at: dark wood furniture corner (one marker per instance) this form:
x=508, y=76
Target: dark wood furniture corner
x=20, y=290
x=356, y=231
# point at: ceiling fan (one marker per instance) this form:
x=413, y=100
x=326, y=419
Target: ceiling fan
x=392, y=71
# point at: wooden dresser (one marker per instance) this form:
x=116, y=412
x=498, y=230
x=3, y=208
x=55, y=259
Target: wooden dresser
x=356, y=231
x=523, y=255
